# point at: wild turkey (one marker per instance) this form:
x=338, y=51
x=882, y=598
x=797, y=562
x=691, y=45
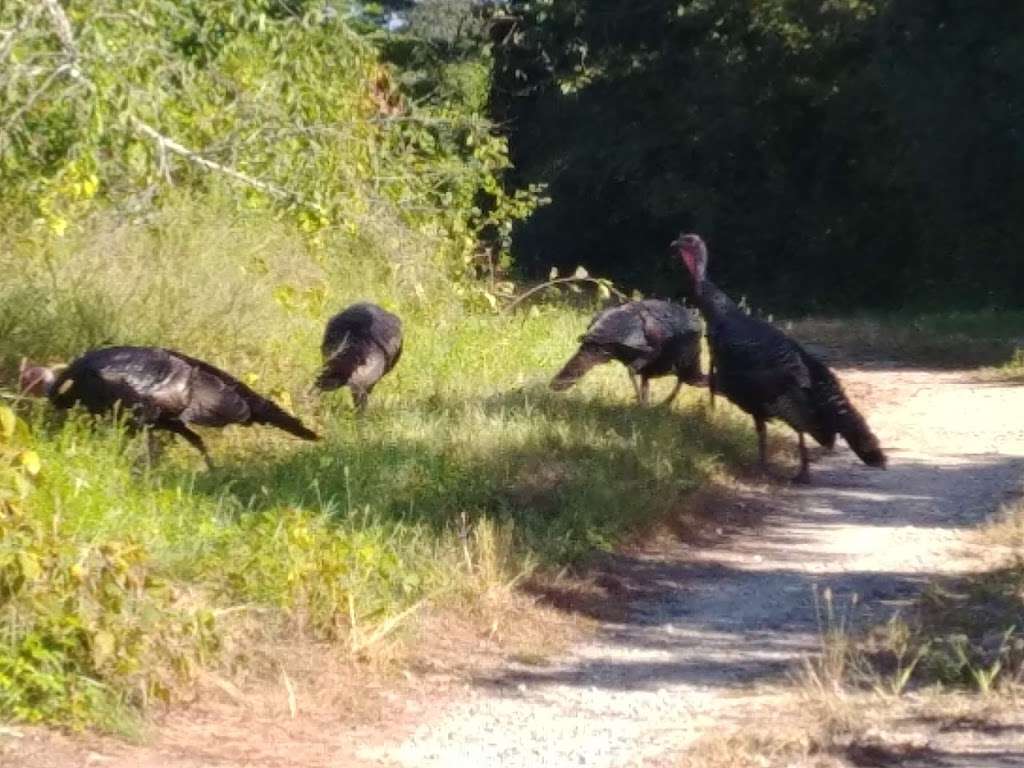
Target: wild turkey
x=159, y=388
x=769, y=375
x=651, y=338
x=361, y=344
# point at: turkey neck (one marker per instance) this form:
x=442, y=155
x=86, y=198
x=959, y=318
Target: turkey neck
x=713, y=303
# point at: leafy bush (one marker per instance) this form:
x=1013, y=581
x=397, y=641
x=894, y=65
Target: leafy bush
x=88, y=626
x=276, y=106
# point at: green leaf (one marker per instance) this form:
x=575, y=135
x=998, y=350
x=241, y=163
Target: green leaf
x=30, y=567
x=30, y=461
x=8, y=422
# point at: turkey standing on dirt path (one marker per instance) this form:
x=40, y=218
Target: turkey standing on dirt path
x=651, y=338
x=769, y=375
x=361, y=344
x=159, y=388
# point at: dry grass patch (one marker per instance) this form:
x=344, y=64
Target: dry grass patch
x=948, y=340
x=928, y=728
x=767, y=732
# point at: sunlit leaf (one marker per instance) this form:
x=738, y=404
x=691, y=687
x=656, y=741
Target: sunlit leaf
x=29, y=565
x=30, y=462
x=8, y=422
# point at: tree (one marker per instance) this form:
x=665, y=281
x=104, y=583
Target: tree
x=835, y=154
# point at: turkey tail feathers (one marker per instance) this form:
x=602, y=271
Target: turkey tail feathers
x=339, y=368
x=577, y=367
x=270, y=413
x=860, y=438
x=841, y=415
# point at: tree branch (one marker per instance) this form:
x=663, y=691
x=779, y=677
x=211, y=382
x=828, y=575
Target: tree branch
x=62, y=26
x=561, y=281
x=168, y=144
x=63, y=30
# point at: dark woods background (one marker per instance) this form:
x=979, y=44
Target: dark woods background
x=836, y=154
x=855, y=153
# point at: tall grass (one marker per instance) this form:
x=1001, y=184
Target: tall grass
x=466, y=471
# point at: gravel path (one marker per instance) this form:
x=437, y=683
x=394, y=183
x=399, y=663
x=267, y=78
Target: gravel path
x=719, y=626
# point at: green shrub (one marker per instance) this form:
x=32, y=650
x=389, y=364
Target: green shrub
x=87, y=627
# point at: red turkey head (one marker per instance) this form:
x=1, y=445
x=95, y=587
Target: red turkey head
x=694, y=254
x=35, y=380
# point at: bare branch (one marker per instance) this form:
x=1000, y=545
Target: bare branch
x=167, y=144
x=62, y=26
x=561, y=281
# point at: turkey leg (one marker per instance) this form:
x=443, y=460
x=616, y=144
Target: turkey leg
x=711, y=382
x=360, y=397
x=762, y=443
x=672, y=396
x=636, y=386
x=803, y=477
x=191, y=438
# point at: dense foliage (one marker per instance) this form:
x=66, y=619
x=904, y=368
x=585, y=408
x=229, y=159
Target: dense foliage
x=836, y=155
x=282, y=103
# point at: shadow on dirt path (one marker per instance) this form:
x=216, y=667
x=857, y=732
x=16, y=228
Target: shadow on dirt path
x=713, y=629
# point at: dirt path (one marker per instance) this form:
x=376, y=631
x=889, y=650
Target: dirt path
x=716, y=628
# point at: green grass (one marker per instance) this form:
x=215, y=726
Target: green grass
x=466, y=472
x=989, y=340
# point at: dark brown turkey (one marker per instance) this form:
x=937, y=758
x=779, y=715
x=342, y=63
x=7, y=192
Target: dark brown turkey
x=651, y=338
x=159, y=388
x=770, y=376
x=361, y=344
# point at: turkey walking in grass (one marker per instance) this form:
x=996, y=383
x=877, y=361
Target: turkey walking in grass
x=159, y=388
x=770, y=376
x=361, y=344
x=651, y=338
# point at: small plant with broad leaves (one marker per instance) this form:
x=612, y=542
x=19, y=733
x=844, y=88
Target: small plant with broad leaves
x=89, y=628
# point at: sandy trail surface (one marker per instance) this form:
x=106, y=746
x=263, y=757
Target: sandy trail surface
x=717, y=629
